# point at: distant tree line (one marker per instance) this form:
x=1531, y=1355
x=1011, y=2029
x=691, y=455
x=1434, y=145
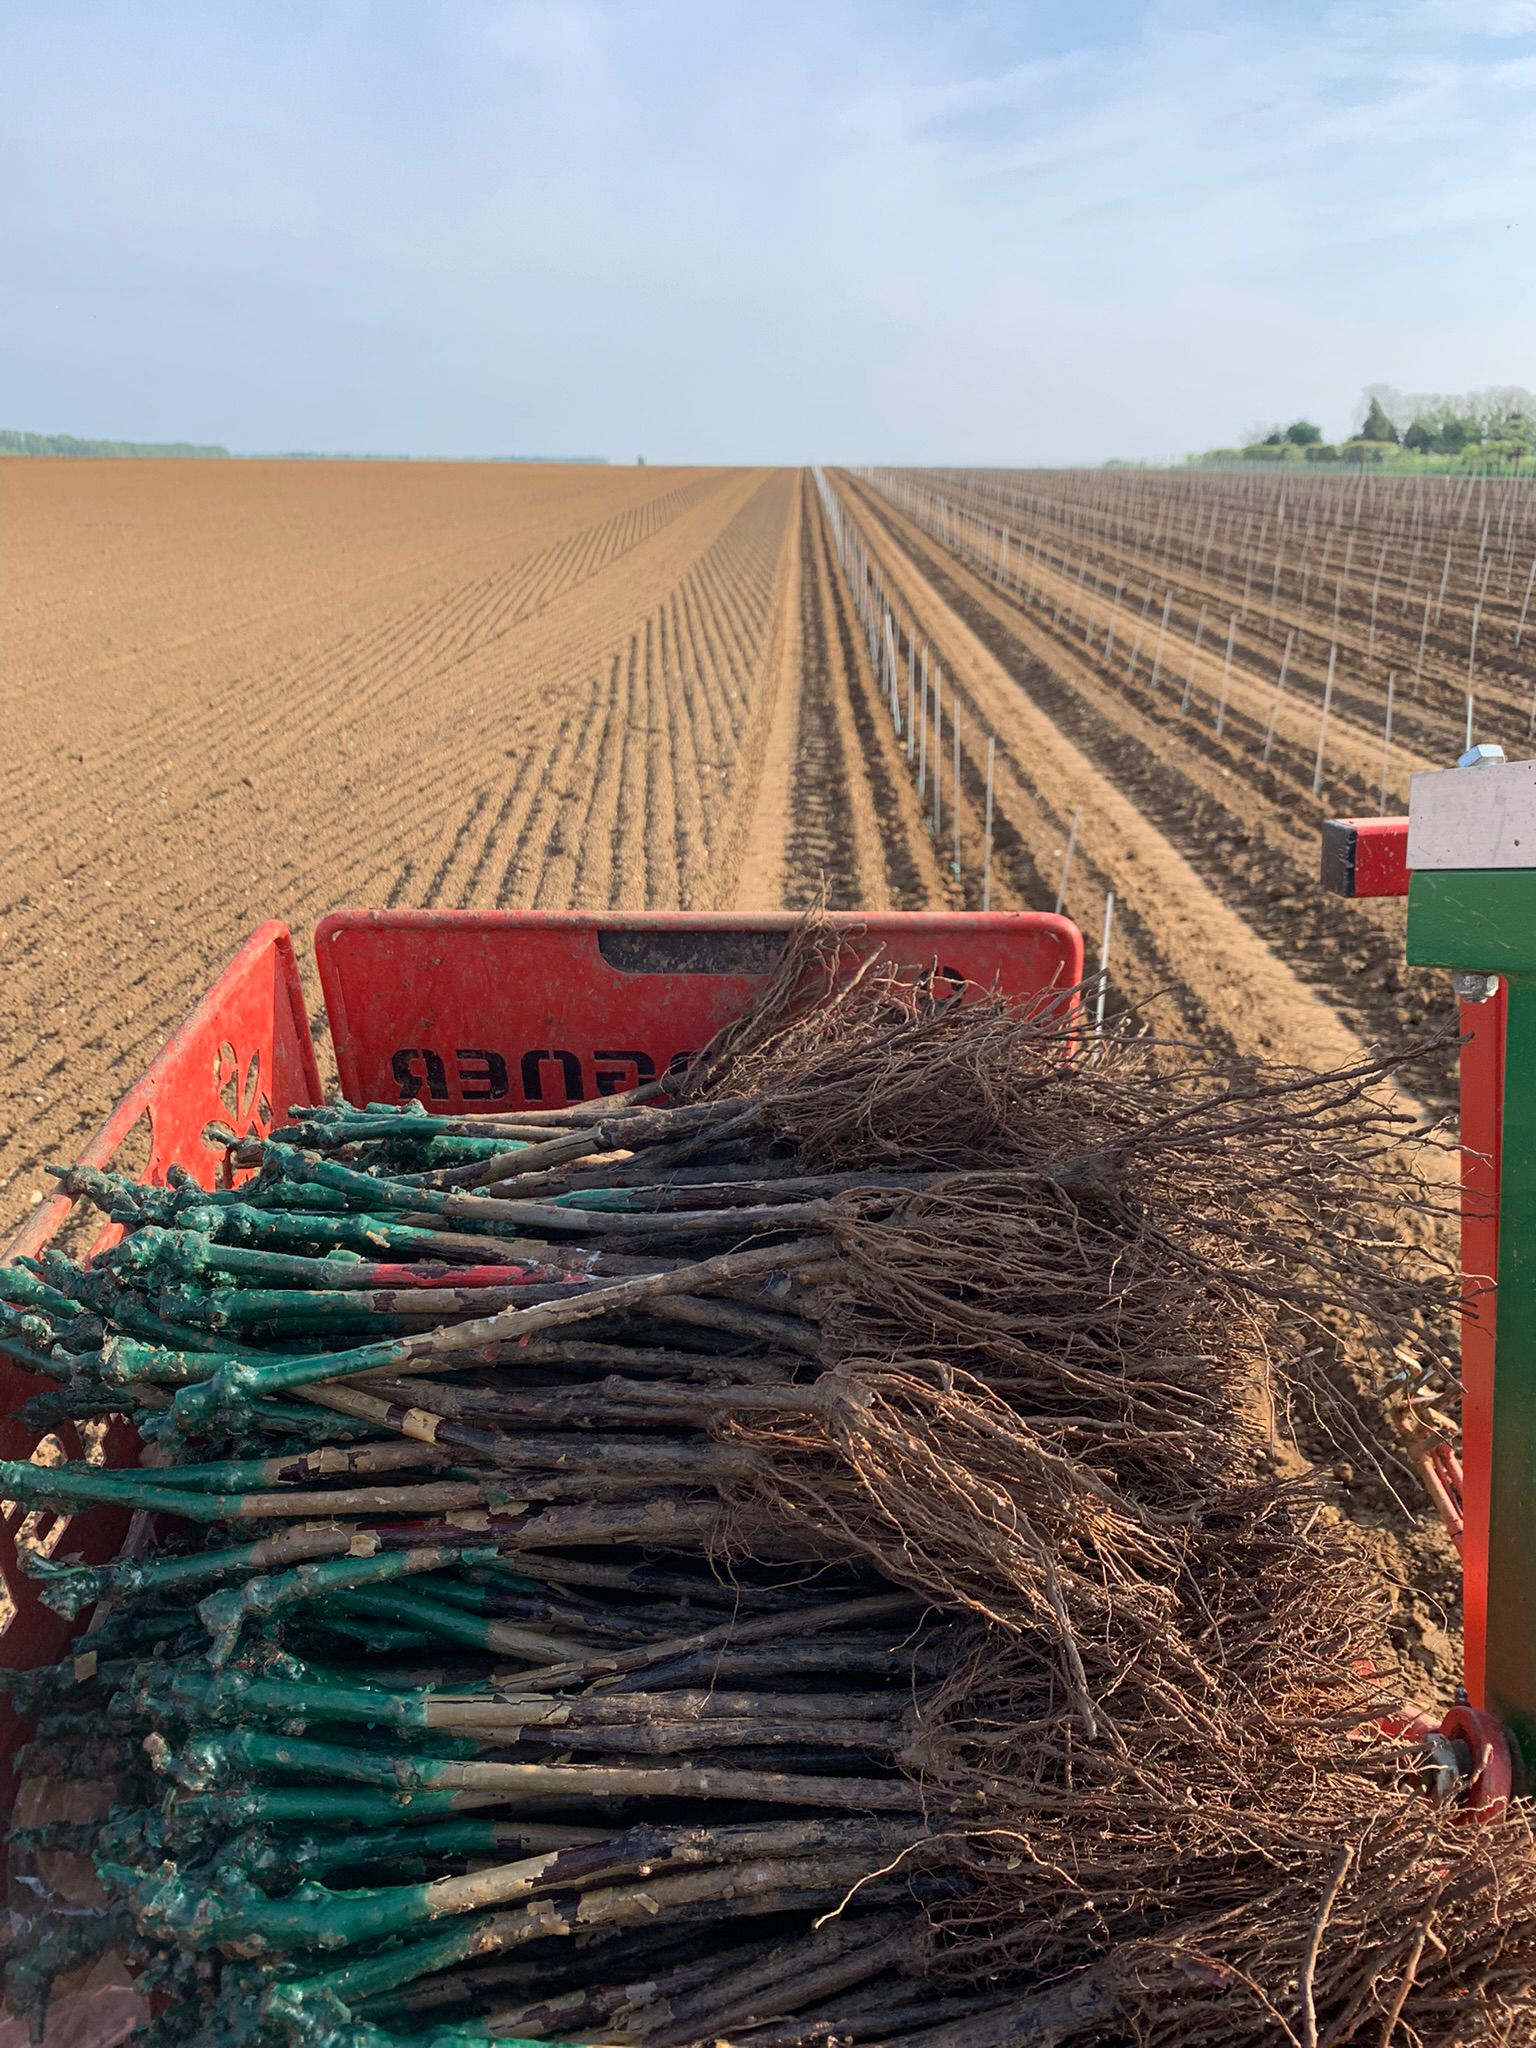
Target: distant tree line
x=14, y=443
x=345, y=455
x=1490, y=429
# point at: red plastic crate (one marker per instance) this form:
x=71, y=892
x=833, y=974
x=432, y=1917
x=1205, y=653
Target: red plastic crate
x=494, y=1011
x=466, y=1010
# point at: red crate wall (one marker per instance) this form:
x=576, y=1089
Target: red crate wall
x=553, y=1006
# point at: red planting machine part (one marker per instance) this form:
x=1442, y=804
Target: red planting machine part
x=1465, y=858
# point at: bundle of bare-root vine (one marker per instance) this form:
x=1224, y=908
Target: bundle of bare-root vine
x=794, y=1562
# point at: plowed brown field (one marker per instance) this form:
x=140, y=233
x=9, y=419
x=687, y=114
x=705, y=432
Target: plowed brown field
x=239, y=690
x=234, y=691
x=1220, y=649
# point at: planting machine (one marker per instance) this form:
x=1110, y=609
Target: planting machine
x=1465, y=858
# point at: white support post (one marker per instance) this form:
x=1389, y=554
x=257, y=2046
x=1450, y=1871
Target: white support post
x=1194, y=656
x=986, y=839
x=954, y=787
x=1109, y=925
x=922, y=734
x=1226, y=678
x=938, y=753
x=1322, y=724
x=1381, y=563
x=1520, y=629
x=911, y=694
x=1444, y=573
x=1077, y=593
x=1114, y=613
x=1066, y=858
x=1157, y=659
x=1274, y=709
x=890, y=655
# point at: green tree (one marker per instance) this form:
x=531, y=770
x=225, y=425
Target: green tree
x=13, y=442
x=1512, y=429
x=1453, y=434
x=1377, y=426
x=1420, y=437
x=1303, y=434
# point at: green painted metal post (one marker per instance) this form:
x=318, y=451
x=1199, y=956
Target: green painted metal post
x=1484, y=921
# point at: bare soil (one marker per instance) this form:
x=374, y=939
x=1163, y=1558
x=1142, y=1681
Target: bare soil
x=246, y=690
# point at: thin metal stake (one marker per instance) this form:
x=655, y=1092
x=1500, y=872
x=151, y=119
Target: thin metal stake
x=1418, y=673
x=1066, y=859
x=911, y=693
x=1157, y=659
x=890, y=651
x=1444, y=574
x=954, y=798
x=1194, y=656
x=938, y=754
x=1519, y=630
x=1226, y=678
x=1109, y=925
x=1076, y=595
x=1285, y=662
x=1322, y=727
x=1114, y=613
x=922, y=736
x=1386, y=743
x=986, y=839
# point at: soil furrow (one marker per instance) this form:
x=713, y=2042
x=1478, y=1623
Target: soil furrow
x=1350, y=953
x=1214, y=961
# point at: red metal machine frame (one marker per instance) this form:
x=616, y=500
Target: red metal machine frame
x=1369, y=857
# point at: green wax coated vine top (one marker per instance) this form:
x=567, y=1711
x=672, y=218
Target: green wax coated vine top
x=315, y=1583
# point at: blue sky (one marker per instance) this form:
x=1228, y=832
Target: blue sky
x=807, y=229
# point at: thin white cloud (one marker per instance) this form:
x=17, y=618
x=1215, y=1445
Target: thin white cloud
x=842, y=228
x=1477, y=17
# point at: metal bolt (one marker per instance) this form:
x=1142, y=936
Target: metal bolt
x=1447, y=1767
x=1481, y=756
x=1474, y=988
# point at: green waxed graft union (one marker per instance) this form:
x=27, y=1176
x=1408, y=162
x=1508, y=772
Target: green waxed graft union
x=169, y=1907
x=21, y=1285
x=314, y=1584
x=449, y=2037
x=313, y=1805
x=282, y=1311
x=390, y=1848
